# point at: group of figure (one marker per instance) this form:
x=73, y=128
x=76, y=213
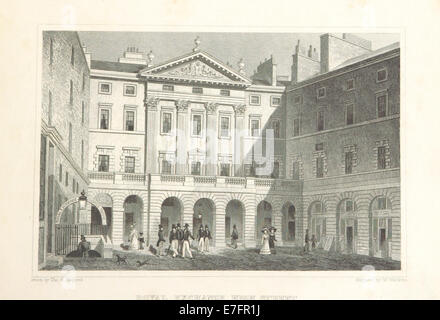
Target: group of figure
x=180, y=240
x=204, y=237
x=268, y=240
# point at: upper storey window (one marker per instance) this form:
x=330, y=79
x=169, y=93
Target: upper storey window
x=197, y=125
x=321, y=92
x=225, y=92
x=72, y=56
x=255, y=127
x=275, y=101
x=166, y=122
x=130, y=90
x=381, y=75
x=105, y=88
x=197, y=90
x=349, y=84
x=254, y=100
x=168, y=87
x=104, y=119
x=382, y=104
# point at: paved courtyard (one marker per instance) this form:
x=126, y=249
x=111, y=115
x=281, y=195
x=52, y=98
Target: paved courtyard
x=286, y=258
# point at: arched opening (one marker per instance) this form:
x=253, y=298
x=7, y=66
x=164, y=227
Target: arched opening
x=106, y=203
x=317, y=222
x=234, y=216
x=380, y=227
x=204, y=213
x=171, y=213
x=288, y=226
x=346, y=227
x=264, y=218
x=133, y=211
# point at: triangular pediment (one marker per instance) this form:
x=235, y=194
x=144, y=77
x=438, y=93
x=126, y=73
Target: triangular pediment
x=196, y=67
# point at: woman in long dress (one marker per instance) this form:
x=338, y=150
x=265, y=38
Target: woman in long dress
x=265, y=242
x=133, y=237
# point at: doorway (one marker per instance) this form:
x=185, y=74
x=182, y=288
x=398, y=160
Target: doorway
x=350, y=239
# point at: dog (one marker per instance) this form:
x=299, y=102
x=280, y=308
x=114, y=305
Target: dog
x=121, y=259
x=125, y=246
x=139, y=263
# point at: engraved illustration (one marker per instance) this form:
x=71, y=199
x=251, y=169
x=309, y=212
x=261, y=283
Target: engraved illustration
x=172, y=158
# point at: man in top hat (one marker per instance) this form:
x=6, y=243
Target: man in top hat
x=141, y=241
x=207, y=238
x=179, y=238
x=234, y=237
x=272, y=239
x=306, y=241
x=83, y=247
x=174, y=243
x=186, y=236
x=201, y=238
x=160, y=242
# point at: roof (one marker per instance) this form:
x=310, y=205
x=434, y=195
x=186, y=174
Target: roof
x=116, y=66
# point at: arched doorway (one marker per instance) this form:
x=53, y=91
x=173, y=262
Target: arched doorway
x=234, y=216
x=317, y=222
x=264, y=218
x=171, y=213
x=133, y=211
x=380, y=227
x=346, y=226
x=288, y=226
x=204, y=213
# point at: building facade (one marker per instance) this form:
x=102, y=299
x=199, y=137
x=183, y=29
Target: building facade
x=193, y=140
x=64, y=132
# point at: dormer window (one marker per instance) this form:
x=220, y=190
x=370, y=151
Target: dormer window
x=197, y=90
x=168, y=87
x=225, y=93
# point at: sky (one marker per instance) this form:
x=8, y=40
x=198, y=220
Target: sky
x=227, y=47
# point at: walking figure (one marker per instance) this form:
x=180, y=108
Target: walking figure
x=306, y=241
x=179, y=238
x=161, y=242
x=272, y=239
x=83, y=247
x=313, y=242
x=141, y=241
x=174, y=243
x=186, y=235
x=207, y=238
x=201, y=238
x=234, y=237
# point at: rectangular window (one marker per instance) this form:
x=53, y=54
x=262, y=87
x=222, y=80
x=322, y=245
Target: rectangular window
x=348, y=162
x=254, y=100
x=103, y=163
x=168, y=87
x=67, y=179
x=82, y=154
x=320, y=120
x=276, y=126
x=195, y=168
x=249, y=170
x=381, y=75
x=70, y=137
x=50, y=109
x=224, y=127
x=105, y=88
x=348, y=206
x=381, y=163
x=295, y=127
x=83, y=111
x=225, y=169
x=83, y=82
x=72, y=56
x=350, y=114
x=381, y=102
x=276, y=170
x=166, y=167
x=73, y=185
x=197, y=125
x=104, y=119
x=71, y=93
x=295, y=170
x=275, y=101
x=349, y=84
x=321, y=92
x=319, y=167
x=130, y=90
x=225, y=93
x=60, y=177
x=297, y=99
x=129, y=164
x=319, y=146
x=77, y=187
x=129, y=120
x=255, y=127
x=197, y=90
x=51, y=51
x=166, y=122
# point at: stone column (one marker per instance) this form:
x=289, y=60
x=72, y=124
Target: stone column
x=220, y=214
x=211, y=139
x=277, y=219
x=118, y=227
x=151, y=120
x=153, y=229
x=239, y=139
x=249, y=225
x=181, y=132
